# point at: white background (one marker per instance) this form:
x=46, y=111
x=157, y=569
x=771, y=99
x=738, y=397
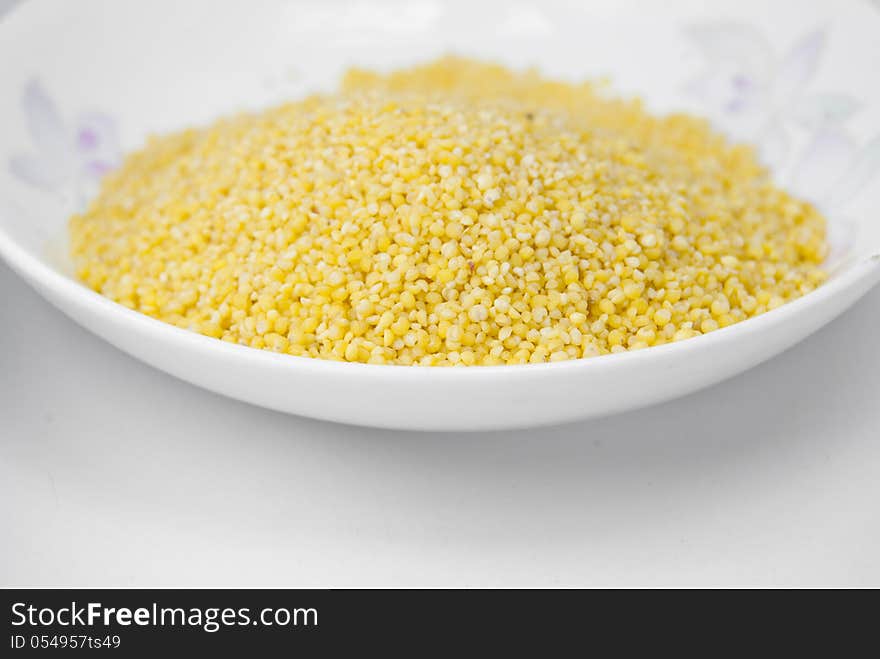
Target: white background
x=113, y=474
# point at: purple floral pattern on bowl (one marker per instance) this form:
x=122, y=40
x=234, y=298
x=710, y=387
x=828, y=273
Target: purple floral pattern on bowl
x=68, y=157
x=758, y=95
x=750, y=90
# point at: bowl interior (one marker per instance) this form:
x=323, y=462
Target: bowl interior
x=84, y=82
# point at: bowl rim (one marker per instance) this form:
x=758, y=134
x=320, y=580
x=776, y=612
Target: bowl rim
x=35, y=270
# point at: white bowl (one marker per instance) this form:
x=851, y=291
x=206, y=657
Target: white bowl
x=83, y=81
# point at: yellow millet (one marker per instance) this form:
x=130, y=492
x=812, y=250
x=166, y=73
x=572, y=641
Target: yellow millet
x=452, y=214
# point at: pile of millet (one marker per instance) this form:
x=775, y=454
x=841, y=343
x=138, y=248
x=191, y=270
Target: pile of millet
x=457, y=213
